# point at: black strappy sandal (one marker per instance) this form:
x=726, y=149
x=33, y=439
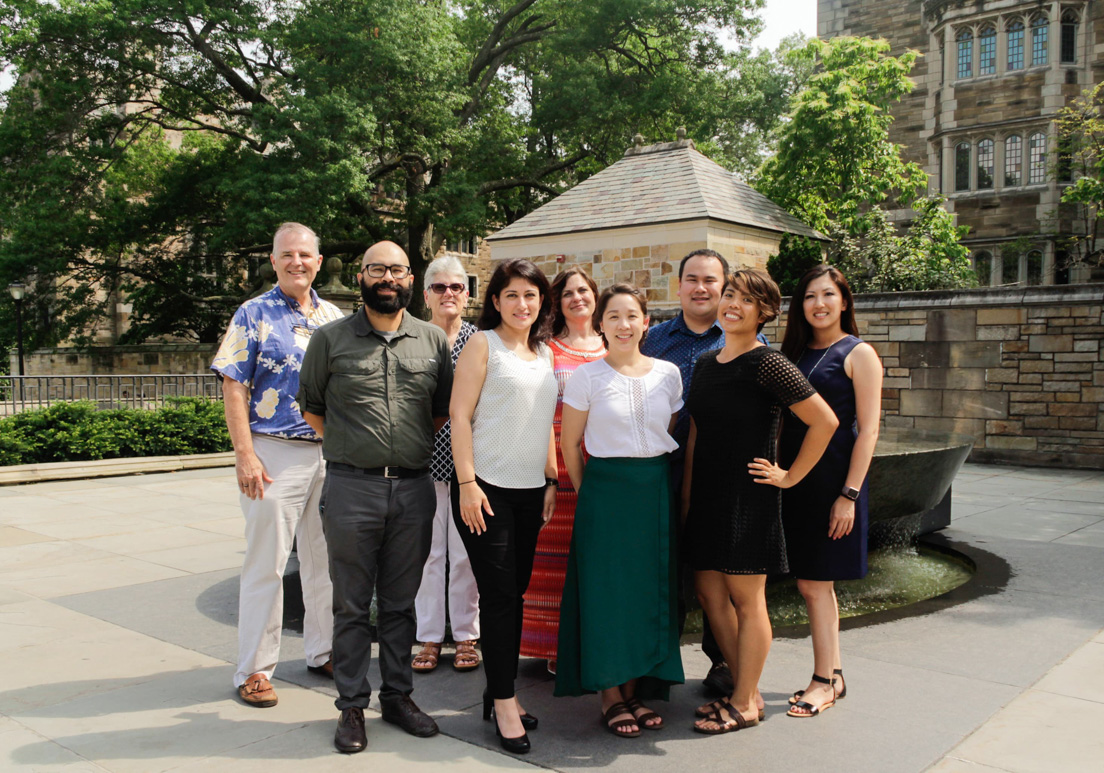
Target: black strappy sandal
x=703, y=712
x=635, y=705
x=841, y=694
x=615, y=726
x=737, y=721
x=808, y=710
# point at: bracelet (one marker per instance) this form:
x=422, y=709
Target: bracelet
x=551, y=482
x=466, y=482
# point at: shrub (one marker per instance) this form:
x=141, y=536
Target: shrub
x=77, y=431
x=796, y=255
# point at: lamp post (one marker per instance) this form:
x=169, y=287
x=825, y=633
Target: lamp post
x=17, y=289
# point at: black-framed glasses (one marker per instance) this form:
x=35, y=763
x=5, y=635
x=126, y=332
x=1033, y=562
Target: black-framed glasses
x=440, y=287
x=378, y=270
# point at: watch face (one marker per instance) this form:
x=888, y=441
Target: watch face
x=850, y=493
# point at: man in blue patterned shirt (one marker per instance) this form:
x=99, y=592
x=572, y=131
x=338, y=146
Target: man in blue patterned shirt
x=693, y=332
x=278, y=463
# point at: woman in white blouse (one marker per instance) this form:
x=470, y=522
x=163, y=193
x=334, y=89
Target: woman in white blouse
x=618, y=617
x=504, y=489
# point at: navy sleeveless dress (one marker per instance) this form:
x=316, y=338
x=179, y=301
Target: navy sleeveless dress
x=807, y=507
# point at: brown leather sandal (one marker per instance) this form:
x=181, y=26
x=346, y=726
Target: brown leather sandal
x=615, y=726
x=706, y=710
x=736, y=721
x=467, y=657
x=426, y=660
x=635, y=705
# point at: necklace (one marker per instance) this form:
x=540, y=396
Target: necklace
x=822, y=356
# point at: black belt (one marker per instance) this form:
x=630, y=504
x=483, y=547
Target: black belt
x=384, y=472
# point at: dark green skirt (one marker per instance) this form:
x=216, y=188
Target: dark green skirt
x=618, y=616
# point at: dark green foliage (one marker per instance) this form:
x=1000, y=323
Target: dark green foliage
x=796, y=255
x=77, y=431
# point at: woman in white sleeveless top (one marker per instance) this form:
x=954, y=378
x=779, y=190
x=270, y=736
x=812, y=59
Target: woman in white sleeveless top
x=504, y=488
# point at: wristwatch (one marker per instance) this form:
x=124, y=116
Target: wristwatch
x=551, y=482
x=850, y=493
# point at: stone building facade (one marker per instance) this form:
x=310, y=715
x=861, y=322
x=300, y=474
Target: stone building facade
x=980, y=120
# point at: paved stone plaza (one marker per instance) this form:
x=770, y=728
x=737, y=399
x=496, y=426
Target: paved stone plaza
x=118, y=601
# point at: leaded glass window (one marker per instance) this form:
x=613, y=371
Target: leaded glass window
x=1069, y=38
x=987, y=51
x=962, y=166
x=1035, y=267
x=1015, y=45
x=1036, y=170
x=983, y=267
x=985, y=164
x=1013, y=161
x=1040, y=25
x=965, y=40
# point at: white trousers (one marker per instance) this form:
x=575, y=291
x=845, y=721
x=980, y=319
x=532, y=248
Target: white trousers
x=288, y=511
x=463, y=597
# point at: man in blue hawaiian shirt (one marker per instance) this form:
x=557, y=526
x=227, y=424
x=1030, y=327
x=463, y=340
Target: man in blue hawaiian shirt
x=278, y=463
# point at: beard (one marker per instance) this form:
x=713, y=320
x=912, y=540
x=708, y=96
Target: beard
x=374, y=301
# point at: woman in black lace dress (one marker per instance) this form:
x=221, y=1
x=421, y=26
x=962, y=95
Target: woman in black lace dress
x=731, y=491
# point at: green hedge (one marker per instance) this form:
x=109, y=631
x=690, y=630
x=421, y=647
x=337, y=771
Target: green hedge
x=78, y=431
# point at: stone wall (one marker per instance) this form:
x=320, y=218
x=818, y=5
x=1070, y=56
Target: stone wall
x=1022, y=370
x=108, y=360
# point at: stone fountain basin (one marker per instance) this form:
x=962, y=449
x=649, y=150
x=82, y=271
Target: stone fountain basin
x=911, y=476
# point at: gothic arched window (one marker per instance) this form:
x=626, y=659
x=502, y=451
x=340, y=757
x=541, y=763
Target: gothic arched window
x=983, y=267
x=962, y=166
x=1069, y=38
x=965, y=39
x=985, y=170
x=1036, y=150
x=1013, y=161
x=1040, y=26
x=987, y=50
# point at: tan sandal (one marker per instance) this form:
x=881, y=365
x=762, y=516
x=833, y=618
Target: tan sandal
x=467, y=657
x=426, y=660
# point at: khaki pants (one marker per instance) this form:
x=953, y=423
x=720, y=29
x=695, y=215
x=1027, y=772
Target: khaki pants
x=288, y=511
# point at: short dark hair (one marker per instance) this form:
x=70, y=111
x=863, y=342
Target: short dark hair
x=621, y=288
x=519, y=268
x=559, y=323
x=798, y=329
x=759, y=286
x=704, y=253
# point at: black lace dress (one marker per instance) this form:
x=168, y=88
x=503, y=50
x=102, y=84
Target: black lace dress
x=735, y=524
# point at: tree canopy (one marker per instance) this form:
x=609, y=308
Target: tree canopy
x=1081, y=162
x=152, y=146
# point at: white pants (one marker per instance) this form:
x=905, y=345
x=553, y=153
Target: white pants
x=463, y=598
x=289, y=510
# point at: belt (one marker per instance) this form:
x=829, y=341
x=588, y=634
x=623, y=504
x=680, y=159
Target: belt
x=384, y=472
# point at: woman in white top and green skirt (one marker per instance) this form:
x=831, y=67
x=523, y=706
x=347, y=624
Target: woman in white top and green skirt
x=618, y=617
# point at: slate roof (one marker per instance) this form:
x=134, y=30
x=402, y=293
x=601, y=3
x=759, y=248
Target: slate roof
x=664, y=183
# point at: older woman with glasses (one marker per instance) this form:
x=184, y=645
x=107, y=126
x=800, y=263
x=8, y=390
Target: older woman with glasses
x=446, y=296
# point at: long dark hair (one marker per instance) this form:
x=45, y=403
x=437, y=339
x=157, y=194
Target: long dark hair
x=519, y=268
x=798, y=330
x=621, y=288
x=559, y=322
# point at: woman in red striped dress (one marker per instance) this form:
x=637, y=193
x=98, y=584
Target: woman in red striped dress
x=574, y=341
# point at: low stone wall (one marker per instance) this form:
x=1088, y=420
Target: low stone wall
x=108, y=360
x=1020, y=369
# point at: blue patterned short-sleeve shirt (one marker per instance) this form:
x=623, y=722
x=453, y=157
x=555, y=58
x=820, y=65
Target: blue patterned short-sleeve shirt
x=263, y=348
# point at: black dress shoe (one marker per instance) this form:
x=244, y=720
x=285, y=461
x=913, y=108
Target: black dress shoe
x=400, y=710
x=719, y=679
x=528, y=721
x=350, y=737
x=519, y=745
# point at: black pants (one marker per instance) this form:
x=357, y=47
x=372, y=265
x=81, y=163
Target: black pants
x=378, y=532
x=502, y=562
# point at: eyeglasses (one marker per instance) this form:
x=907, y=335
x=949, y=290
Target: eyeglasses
x=440, y=287
x=377, y=271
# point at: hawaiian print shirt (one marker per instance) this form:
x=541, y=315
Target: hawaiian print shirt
x=263, y=348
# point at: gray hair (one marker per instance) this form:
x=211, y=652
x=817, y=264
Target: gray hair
x=446, y=264
x=288, y=227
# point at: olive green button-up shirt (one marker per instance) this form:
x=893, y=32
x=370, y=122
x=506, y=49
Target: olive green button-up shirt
x=378, y=397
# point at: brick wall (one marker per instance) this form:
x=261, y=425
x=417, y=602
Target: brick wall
x=1022, y=370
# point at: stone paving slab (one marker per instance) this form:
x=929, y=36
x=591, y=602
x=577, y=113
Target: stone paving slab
x=118, y=605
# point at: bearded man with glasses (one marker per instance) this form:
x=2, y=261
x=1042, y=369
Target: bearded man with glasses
x=376, y=387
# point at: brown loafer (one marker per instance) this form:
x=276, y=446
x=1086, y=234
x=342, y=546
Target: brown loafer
x=257, y=691
x=326, y=669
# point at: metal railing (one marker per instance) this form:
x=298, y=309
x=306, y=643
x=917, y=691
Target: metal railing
x=21, y=393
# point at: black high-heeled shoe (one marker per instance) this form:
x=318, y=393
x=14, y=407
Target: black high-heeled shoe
x=528, y=721
x=519, y=745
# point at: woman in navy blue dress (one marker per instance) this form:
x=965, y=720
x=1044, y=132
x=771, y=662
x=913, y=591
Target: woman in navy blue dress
x=825, y=515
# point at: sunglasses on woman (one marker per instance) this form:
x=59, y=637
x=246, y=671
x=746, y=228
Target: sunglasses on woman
x=439, y=288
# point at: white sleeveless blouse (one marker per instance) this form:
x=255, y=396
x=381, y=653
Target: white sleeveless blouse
x=513, y=418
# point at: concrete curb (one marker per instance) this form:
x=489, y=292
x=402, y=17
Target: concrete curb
x=105, y=468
